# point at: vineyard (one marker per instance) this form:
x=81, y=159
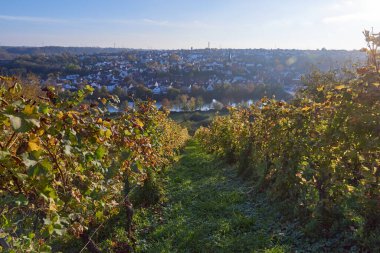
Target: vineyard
x=75, y=177
x=317, y=157
x=67, y=166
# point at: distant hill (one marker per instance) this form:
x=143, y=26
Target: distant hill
x=8, y=53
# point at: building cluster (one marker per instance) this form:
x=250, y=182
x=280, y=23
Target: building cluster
x=160, y=70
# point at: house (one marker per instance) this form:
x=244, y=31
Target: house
x=69, y=87
x=210, y=88
x=111, y=87
x=238, y=79
x=156, y=90
x=72, y=77
x=123, y=74
x=96, y=85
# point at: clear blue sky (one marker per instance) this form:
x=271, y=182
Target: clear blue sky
x=304, y=24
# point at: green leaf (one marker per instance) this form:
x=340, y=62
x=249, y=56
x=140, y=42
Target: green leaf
x=34, y=122
x=100, y=152
x=44, y=109
x=59, y=231
x=50, y=229
x=4, y=155
x=46, y=164
x=67, y=150
x=33, y=171
x=99, y=215
x=20, y=124
x=22, y=176
x=45, y=249
x=28, y=162
x=47, y=221
x=15, y=122
x=21, y=200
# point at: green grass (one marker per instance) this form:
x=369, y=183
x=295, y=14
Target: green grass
x=193, y=120
x=207, y=209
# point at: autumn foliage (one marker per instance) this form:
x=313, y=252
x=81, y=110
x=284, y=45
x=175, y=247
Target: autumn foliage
x=317, y=157
x=66, y=165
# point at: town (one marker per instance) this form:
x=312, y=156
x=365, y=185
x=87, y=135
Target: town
x=188, y=77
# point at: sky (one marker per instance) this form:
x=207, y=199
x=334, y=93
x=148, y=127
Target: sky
x=175, y=24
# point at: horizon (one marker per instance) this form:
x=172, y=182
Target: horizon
x=178, y=25
x=179, y=49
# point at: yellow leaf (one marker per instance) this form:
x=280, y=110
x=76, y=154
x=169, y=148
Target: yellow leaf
x=40, y=132
x=33, y=145
x=320, y=88
x=7, y=122
x=29, y=109
x=350, y=188
x=72, y=114
x=106, y=123
x=60, y=115
x=376, y=84
x=108, y=133
x=99, y=121
x=52, y=141
x=52, y=206
x=306, y=108
x=139, y=123
x=339, y=87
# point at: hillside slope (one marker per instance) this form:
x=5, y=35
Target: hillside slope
x=208, y=209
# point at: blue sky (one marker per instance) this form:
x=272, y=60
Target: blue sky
x=168, y=24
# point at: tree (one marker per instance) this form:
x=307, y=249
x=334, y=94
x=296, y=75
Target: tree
x=373, y=42
x=166, y=103
x=103, y=90
x=173, y=93
x=174, y=57
x=191, y=104
x=199, y=102
x=120, y=92
x=217, y=105
x=183, y=102
x=143, y=92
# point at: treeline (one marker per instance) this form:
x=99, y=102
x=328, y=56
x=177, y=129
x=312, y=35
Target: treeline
x=11, y=52
x=45, y=66
x=317, y=157
x=196, y=96
x=68, y=166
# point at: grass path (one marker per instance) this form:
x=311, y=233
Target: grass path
x=207, y=209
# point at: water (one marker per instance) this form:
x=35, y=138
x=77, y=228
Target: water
x=177, y=108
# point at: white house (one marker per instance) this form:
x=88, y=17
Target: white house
x=111, y=87
x=156, y=90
